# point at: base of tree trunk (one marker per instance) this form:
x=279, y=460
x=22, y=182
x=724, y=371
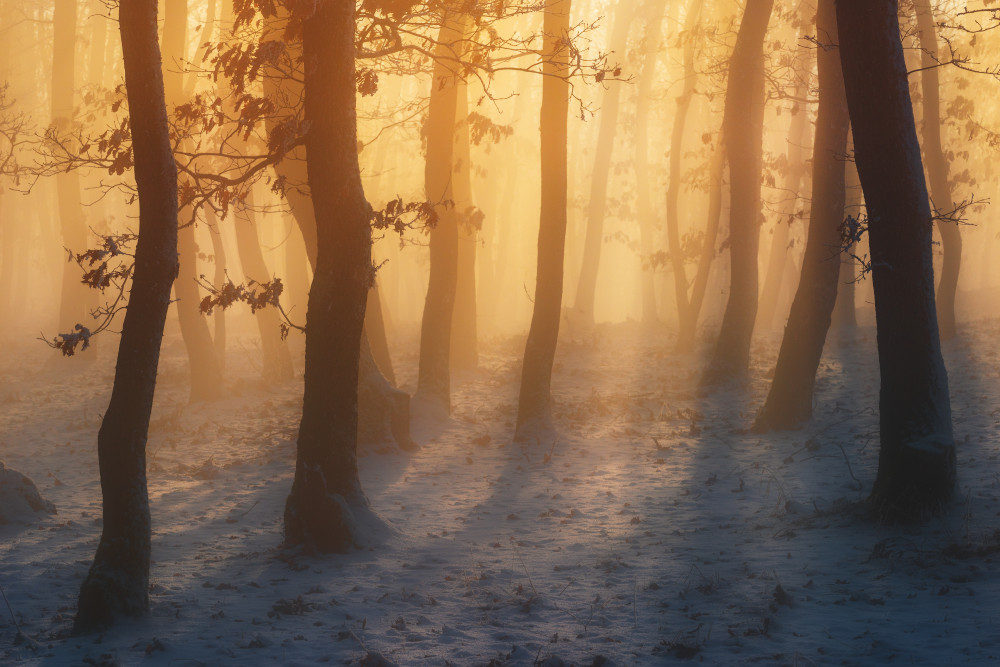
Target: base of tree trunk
x=111, y=590
x=915, y=480
x=383, y=413
x=784, y=413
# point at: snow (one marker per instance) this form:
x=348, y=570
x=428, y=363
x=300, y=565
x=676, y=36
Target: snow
x=655, y=529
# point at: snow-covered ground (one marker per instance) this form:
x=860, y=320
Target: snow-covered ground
x=654, y=530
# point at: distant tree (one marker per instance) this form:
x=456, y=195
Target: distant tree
x=203, y=362
x=938, y=168
x=743, y=129
x=916, y=470
x=434, y=372
x=534, y=410
x=789, y=401
x=844, y=312
x=118, y=580
x=586, y=287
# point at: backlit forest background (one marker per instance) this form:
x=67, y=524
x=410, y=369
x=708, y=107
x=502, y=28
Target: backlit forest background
x=499, y=332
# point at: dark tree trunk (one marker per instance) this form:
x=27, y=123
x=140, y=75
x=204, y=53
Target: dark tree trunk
x=206, y=374
x=326, y=495
x=916, y=471
x=277, y=359
x=937, y=170
x=293, y=170
x=743, y=128
x=378, y=338
x=844, y=313
x=434, y=373
x=534, y=409
x=118, y=581
x=789, y=402
x=586, y=288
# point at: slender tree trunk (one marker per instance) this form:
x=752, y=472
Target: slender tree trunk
x=789, y=402
x=916, y=471
x=937, y=170
x=206, y=374
x=464, y=333
x=218, y=278
x=118, y=581
x=643, y=199
x=586, y=288
x=326, y=494
x=534, y=410
x=689, y=324
x=744, y=126
x=76, y=299
x=777, y=265
x=277, y=359
x=297, y=262
x=844, y=313
x=434, y=373
x=378, y=336
x=677, y=259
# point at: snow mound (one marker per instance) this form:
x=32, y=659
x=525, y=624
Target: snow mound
x=20, y=502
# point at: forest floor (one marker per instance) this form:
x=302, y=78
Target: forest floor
x=654, y=530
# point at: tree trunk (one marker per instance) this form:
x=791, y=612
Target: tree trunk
x=118, y=581
x=789, y=402
x=586, y=288
x=377, y=336
x=76, y=299
x=321, y=511
x=434, y=373
x=743, y=128
x=206, y=375
x=844, y=312
x=534, y=409
x=218, y=278
x=916, y=471
x=464, y=332
x=937, y=170
x=643, y=201
x=277, y=359
x=777, y=265
x=678, y=262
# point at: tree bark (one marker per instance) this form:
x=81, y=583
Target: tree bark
x=218, y=278
x=743, y=129
x=937, y=170
x=916, y=471
x=203, y=363
x=534, y=410
x=118, y=581
x=321, y=510
x=789, y=402
x=434, y=373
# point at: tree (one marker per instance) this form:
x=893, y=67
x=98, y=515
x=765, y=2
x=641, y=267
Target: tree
x=118, y=580
x=916, y=469
x=743, y=127
x=203, y=362
x=844, y=314
x=586, y=287
x=789, y=401
x=937, y=170
x=434, y=374
x=534, y=409
x=326, y=500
